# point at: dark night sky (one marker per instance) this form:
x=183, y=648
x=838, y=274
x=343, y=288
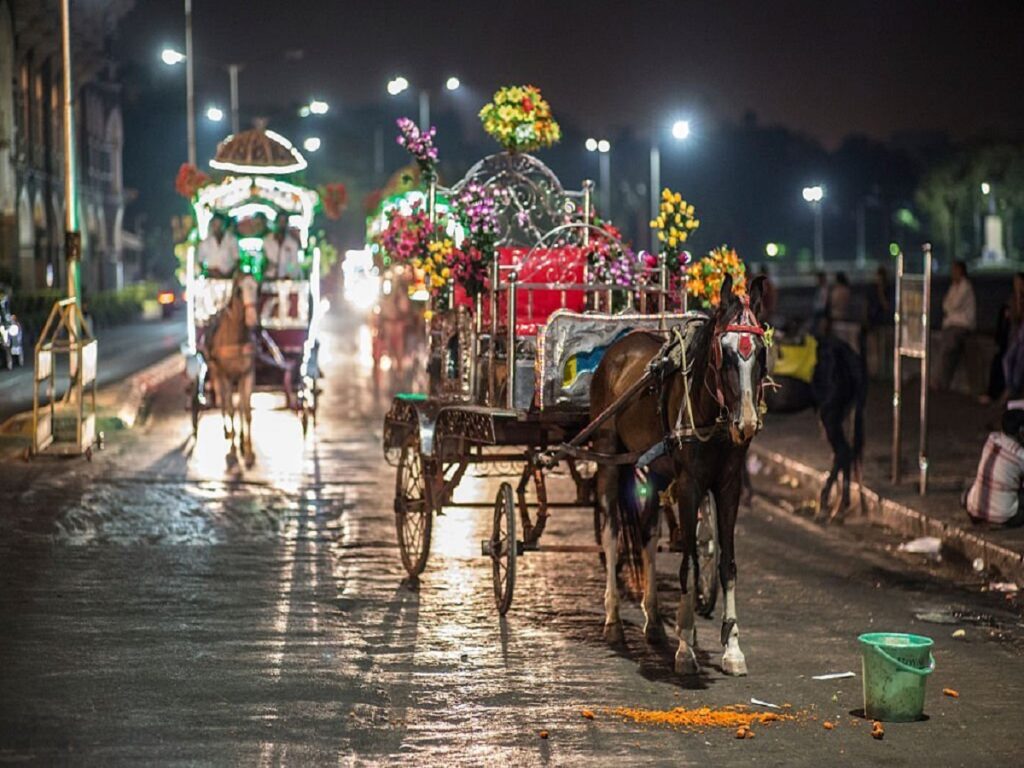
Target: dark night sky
x=827, y=68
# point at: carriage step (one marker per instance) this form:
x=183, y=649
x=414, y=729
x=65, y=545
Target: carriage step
x=485, y=547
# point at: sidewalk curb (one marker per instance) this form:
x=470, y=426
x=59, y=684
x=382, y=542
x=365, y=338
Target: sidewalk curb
x=127, y=397
x=906, y=520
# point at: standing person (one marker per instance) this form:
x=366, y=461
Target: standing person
x=1013, y=357
x=281, y=249
x=218, y=251
x=878, y=319
x=958, y=321
x=819, y=308
x=839, y=298
x=769, y=295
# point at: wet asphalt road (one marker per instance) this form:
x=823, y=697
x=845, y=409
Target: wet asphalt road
x=157, y=607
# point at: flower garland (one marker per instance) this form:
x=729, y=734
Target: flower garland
x=189, y=181
x=420, y=144
x=406, y=236
x=706, y=276
x=674, y=225
x=477, y=210
x=520, y=120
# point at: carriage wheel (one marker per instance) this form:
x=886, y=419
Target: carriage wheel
x=707, y=556
x=504, y=548
x=413, y=510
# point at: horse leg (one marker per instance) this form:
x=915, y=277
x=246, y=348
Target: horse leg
x=842, y=456
x=607, y=494
x=653, y=631
x=686, y=616
x=733, y=660
x=245, y=406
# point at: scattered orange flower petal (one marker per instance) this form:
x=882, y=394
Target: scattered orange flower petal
x=951, y=693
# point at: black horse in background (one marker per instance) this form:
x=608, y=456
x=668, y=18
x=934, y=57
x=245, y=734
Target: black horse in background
x=839, y=386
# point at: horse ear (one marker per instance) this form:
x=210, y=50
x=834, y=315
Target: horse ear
x=757, y=286
x=725, y=295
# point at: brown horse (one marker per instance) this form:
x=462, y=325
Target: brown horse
x=705, y=411
x=231, y=358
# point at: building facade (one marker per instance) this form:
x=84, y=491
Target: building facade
x=32, y=150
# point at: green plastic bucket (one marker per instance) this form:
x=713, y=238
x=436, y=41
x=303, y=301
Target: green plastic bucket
x=895, y=670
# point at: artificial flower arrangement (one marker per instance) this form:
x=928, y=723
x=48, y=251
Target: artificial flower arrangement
x=520, y=120
x=420, y=144
x=406, y=236
x=189, y=181
x=674, y=225
x=707, y=274
x=611, y=260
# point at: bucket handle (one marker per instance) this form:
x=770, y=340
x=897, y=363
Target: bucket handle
x=906, y=667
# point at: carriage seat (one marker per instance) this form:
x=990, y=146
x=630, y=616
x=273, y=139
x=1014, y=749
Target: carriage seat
x=534, y=307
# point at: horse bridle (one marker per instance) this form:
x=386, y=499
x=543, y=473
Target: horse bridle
x=746, y=326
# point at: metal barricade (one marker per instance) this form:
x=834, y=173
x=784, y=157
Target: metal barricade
x=68, y=426
x=913, y=299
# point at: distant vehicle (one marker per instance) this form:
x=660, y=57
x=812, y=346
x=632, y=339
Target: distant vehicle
x=12, y=351
x=168, y=301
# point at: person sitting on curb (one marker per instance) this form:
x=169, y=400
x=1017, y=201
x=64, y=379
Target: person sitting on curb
x=998, y=488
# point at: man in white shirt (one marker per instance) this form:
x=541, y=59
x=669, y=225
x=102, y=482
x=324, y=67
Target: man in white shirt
x=218, y=251
x=995, y=495
x=958, y=321
x=281, y=249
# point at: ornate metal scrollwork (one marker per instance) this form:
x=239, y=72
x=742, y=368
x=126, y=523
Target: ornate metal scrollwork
x=531, y=200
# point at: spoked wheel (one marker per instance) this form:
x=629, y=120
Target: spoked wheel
x=707, y=556
x=504, y=548
x=413, y=510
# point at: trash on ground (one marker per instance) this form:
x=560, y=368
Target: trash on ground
x=937, y=617
x=543, y=734
x=703, y=717
x=877, y=731
x=760, y=703
x=834, y=676
x=587, y=714
x=1003, y=586
x=925, y=545
x=744, y=732
x=951, y=693
x=960, y=634
x=828, y=725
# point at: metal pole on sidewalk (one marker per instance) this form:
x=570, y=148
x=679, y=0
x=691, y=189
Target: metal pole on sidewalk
x=72, y=237
x=897, y=373
x=922, y=455
x=190, y=85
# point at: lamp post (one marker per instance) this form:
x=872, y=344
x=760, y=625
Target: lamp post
x=399, y=84
x=72, y=237
x=815, y=195
x=680, y=132
x=603, y=147
x=190, y=84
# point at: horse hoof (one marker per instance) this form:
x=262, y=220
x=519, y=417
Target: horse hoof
x=734, y=664
x=613, y=634
x=654, y=633
x=686, y=663
x=250, y=459
x=230, y=458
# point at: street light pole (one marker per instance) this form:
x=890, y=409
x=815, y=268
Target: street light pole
x=72, y=237
x=233, y=75
x=819, y=238
x=655, y=189
x=605, y=170
x=424, y=109
x=189, y=85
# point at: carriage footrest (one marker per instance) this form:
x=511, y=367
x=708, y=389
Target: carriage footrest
x=485, y=547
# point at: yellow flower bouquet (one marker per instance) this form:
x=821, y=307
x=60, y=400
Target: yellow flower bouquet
x=675, y=224
x=520, y=119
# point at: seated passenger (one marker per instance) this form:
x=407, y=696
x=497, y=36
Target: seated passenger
x=995, y=495
x=281, y=249
x=218, y=252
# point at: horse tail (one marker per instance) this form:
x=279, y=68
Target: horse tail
x=637, y=493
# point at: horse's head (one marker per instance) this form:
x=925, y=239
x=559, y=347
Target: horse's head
x=243, y=297
x=739, y=358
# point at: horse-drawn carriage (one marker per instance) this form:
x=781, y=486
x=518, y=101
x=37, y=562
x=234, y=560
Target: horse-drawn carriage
x=287, y=306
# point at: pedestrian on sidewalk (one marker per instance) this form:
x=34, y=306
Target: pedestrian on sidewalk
x=995, y=495
x=958, y=322
x=819, y=307
x=1013, y=357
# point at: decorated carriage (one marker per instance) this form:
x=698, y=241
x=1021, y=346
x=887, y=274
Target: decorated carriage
x=254, y=190
x=528, y=287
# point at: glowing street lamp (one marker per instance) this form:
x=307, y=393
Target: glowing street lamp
x=986, y=188
x=312, y=144
x=681, y=130
x=814, y=194
x=318, y=107
x=214, y=114
x=170, y=57
x=591, y=145
x=452, y=83
x=397, y=85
